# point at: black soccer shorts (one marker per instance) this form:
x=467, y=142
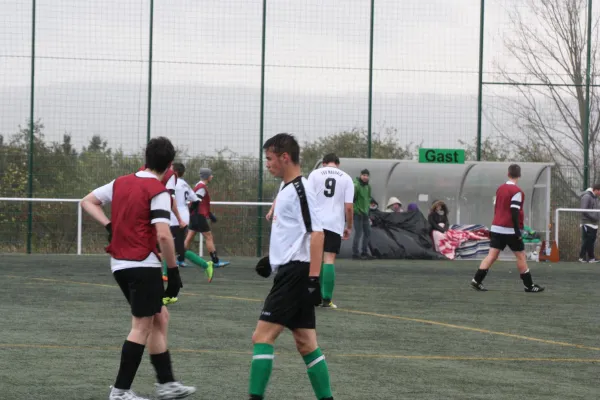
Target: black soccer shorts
x=143, y=288
x=288, y=303
x=500, y=241
x=198, y=223
x=333, y=242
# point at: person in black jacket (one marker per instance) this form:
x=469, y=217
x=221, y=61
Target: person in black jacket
x=438, y=214
x=589, y=223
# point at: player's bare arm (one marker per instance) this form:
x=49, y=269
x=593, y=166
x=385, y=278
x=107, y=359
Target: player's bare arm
x=316, y=253
x=93, y=207
x=165, y=240
x=270, y=213
x=349, y=212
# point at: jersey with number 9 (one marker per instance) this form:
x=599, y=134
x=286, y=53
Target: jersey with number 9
x=334, y=188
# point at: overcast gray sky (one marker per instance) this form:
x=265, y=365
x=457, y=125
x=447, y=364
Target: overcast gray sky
x=92, y=70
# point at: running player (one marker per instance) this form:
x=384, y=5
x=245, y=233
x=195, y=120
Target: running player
x=184, y=195
x=140, y=220
x=295, y=255
x=334, y=190
x=200, y=214
x=506, y=231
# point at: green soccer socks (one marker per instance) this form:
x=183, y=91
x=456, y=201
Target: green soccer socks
x=260, y=370
x=327, y=281
x=196, y=259
x=316, y=367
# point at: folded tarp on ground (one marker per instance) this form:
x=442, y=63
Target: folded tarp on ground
x=397, y=236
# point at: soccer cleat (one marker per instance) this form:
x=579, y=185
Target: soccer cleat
x=181, y=264
x=209, y=271
x=173, y=390
x=534, y=289
x=366, y=257
x=120, y=394
x=593, y=261
x=478, y=286
x=328, y=304
x=582, y=260
x=165, y=278
x=221, y=264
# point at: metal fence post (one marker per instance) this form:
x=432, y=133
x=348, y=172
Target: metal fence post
x=586, y=122
x=261, y=133
x=151, y=35
x=370, y=111
x=31, y=133
x=480, y=90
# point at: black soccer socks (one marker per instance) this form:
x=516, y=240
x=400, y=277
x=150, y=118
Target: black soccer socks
x=162, y=366
x=131, y=357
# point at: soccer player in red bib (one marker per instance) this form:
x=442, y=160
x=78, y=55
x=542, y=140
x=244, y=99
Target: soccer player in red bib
x=140, y=220
x=200, y=213
x=506, y=231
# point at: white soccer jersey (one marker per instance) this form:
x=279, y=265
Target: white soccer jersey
x=171, y=186
x=333, y=189
x=160, y=202
x=294, y=218
x=183, y=195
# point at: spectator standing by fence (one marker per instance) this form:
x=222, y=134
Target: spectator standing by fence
x=589, y=223
x=362, y=224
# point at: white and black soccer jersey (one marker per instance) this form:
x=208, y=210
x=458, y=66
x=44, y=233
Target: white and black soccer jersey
x=171, y=188
x=294, y=219
x=333, y=188
x=183, y=195
x=161, y=202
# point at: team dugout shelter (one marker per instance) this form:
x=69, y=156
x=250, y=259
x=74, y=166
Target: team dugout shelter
x=468, y=188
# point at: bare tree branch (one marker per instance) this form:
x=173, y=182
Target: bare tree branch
x=548, y=42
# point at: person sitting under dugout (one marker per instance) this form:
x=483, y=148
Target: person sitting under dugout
x=394, y=205
x=445, y=240
x=438, y=217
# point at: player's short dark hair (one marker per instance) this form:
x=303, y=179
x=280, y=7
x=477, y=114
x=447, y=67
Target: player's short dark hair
x=596, y=186
x=331, y=158
x=160, y=153
x=179, y=168
x=514, y=171
x=284, y=143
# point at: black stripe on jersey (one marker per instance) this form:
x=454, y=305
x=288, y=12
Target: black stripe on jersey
x=154, y=214
x=297, y=182
x=515, y=204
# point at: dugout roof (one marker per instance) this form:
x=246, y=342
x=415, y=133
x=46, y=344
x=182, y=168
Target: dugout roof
x=468, y=189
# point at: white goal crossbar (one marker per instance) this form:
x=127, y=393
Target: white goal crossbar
x=80, y=211
x=556, y=220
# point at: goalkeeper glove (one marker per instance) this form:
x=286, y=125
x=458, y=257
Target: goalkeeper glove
x=263, y=267
x=314, y=291
x=194, y=206
x=108, y=228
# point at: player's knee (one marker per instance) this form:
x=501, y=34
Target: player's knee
x=260, y=336
x=162, y=319
x=305, y=347
x=255, y=338
x=142, y=326
x=492, y=256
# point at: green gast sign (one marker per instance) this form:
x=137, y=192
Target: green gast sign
x=442, y=156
